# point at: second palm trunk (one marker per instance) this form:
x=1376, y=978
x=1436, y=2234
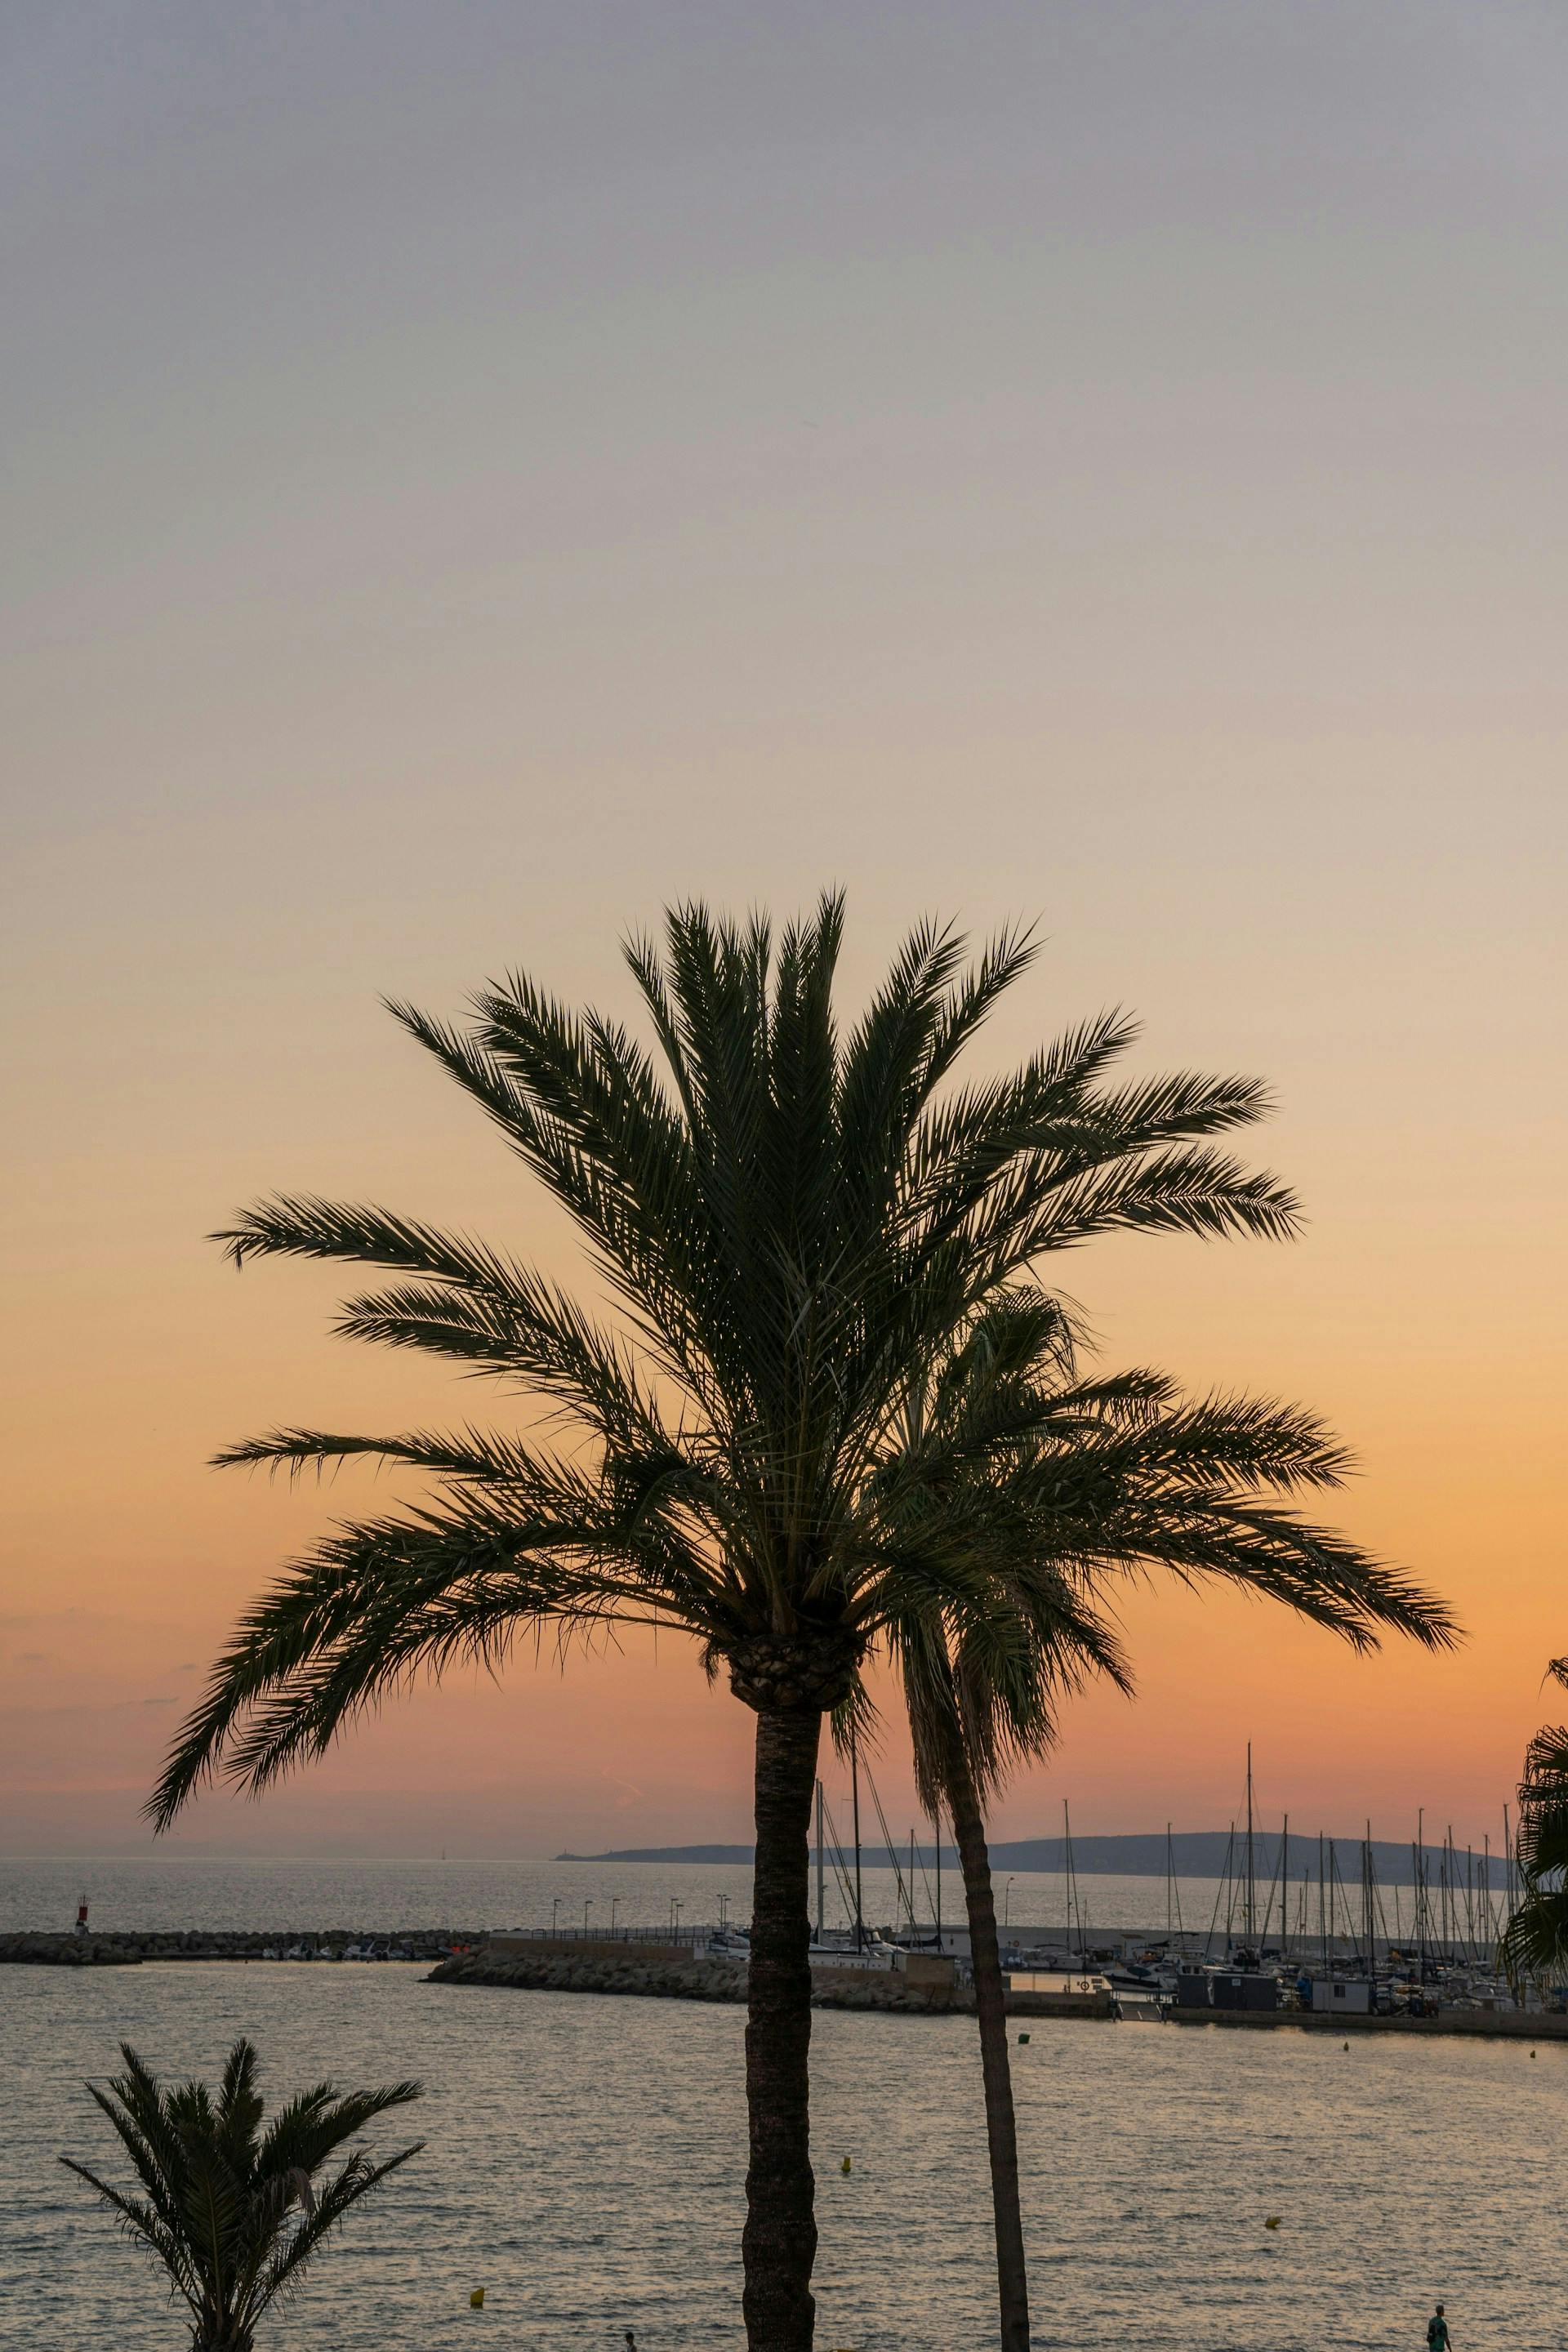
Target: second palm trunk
x=991, y=2009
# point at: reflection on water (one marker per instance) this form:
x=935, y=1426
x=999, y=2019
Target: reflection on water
x=587, y=2154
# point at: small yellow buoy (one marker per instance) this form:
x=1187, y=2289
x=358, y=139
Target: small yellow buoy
x=1273, y=2220
x=477, y=2300
x=1347, y=2045
x=845, y=2165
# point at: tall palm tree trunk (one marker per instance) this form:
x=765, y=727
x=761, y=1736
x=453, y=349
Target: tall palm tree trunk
x=990, y=2008
x=779, y=2243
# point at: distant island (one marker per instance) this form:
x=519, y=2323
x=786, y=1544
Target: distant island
x=1196, y=1854
x=741, y=1853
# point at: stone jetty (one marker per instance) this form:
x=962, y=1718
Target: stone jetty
x=672, y=1973
x=126, y=1948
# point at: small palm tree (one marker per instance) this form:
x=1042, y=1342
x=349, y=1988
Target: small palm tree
x=794, y=1219
x=1535, y=1941
x=1084, y=1482
x=232, y=2211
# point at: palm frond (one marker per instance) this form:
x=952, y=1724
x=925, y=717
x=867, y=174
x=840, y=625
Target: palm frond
x=1534, y=1944
x=474, y=1456
x=1535, y=1940
x=278, y=2277
x=473, y=1304
x=134, y=2109
x=386, y=1598
x=313, y=2124
x=146, y=2227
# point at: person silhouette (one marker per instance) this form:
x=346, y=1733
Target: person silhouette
x=1437, y=2332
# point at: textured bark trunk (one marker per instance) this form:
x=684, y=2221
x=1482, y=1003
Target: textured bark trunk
x=779, y=2246
x=991, y=2007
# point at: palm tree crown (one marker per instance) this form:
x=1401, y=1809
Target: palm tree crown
x=233, y=2211
x=794, y=1225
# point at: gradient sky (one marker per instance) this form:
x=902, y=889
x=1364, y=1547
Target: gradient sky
x=478, y=472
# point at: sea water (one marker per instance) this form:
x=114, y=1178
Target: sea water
x=586, y=2157
x=171, y=1890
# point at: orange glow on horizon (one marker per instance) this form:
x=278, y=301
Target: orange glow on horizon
x=468, y=492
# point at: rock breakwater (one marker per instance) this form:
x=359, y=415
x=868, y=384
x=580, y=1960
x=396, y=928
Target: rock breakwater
x=126, y=1948
x=697, y=1980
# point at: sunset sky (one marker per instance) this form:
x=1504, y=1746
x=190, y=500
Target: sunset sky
x=477, y=473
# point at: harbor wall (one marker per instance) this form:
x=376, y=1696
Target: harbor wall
x=127, y=1948
x=665, y=1953
x=686, y=1978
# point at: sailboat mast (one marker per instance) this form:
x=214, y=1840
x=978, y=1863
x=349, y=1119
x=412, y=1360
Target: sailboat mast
x=1251, y=1863
x=1379, y=1917
x=855, y=1809
x=1221, y=1891
x=1073, y=1912
x=936, y=1826
x=1323, y=1911
x=1285, y=1889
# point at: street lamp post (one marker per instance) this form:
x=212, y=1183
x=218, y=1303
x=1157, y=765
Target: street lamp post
x=587, y=1906
x=615, y=1900
x=554, y=1914
x=1006, y=1902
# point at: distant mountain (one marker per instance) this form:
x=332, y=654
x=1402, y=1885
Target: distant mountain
x=668, y=1853
x=1203, y=1854
x=1198, y=1854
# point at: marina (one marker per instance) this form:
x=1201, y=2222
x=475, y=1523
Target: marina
x=1317, y=1932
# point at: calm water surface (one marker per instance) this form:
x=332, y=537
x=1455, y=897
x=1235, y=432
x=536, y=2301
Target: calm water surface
x=586, y=2157
x=169, y=1890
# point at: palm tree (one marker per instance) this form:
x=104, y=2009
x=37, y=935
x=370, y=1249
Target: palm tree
x=792, y=1222
x=233, y=2212
x=1535, y=1941
x=1083, y=1482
